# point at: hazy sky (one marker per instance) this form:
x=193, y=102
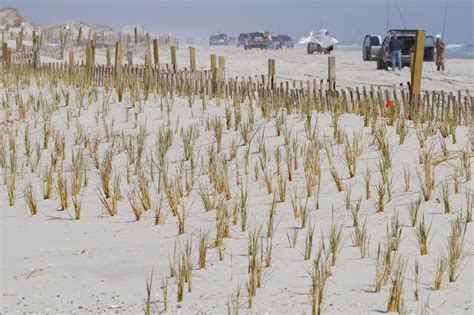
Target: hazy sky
x=348, y=20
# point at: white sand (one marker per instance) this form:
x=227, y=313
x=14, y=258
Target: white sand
x=100, y=263
x=295, y=64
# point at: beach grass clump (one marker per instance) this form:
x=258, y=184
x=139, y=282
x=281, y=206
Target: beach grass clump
x=30, y=199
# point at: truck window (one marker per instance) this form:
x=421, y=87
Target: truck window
x=366, y=41
x=374, y=41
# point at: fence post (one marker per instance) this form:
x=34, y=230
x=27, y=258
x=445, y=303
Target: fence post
x=71, y=61
x=173, y=58
x=332, y=72
x=271, y=72
x=214, y=72
x=192, y=59
x=107, y=56
x=79, y=35
x=118, y=59
x=213, y=63
x=93, y=52
x=88, y=60
x=136, y=35
x=18, y=43
x=417, y=66
x=6, y=54
x=147, y=70
x=156, y=57
x=222, y=66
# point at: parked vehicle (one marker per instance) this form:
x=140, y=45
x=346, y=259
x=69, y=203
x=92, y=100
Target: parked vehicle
x=256, y=40
x=242, y=39
x=281, y=41
x=220, y=39
x=314, y=47
x=375, y=50
x=371, y=47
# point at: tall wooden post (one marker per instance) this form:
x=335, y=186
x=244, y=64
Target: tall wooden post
x=332, y=72
x=214, y=72
x=62, y=40
x=147, y=71
x=88, y=62
x=118, y=59
x=192, y=59
x=222, y=66
x=213, y=63
x=107, y=57
x=173, y=58
x=71, y=62
x=93, y=52
x=6, y=54
x=79, y=35
x=417, y=66
x=18, y=43
x=156, y=56
x=271, y=72
x=136, y=35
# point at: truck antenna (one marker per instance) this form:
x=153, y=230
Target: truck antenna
x=388, y=15
x=400, y=13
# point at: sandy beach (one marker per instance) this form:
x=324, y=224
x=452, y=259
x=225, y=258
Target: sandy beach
x=99, y=264
x=135, y=196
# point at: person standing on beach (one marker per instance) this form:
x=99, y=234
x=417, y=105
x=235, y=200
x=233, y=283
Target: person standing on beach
x=395, y=51
x=439, y=52
x=269, y=41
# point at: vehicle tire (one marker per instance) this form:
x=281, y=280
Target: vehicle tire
x=308, y=50
x=246, y=47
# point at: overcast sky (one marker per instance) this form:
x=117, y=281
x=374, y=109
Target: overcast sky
x=348, y=20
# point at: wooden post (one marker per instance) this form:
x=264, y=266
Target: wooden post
x=147, y=69
x=93, y=52
x=417, y=66
x=192, y=59
x=173, y=58
x=271, y=72
x=213, y=63
x=88, y=62
x=118, y=59
x=79, y=35
x=222, y=66
x=18, y=43
x=332, y=72
x=107, y=56
x=6, y=54
x=136, y=35
x=21, y=37
x=156, y=56
x=71, y=61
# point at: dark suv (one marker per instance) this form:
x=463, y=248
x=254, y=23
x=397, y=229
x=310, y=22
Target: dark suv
x=283, y=41
x=220, y=39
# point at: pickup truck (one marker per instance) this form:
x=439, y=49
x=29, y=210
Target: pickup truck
x=374, y=49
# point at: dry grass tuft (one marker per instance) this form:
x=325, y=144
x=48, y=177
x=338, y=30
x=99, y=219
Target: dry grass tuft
x=30, y=199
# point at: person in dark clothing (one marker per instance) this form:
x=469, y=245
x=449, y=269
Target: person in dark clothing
x=395, y=51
